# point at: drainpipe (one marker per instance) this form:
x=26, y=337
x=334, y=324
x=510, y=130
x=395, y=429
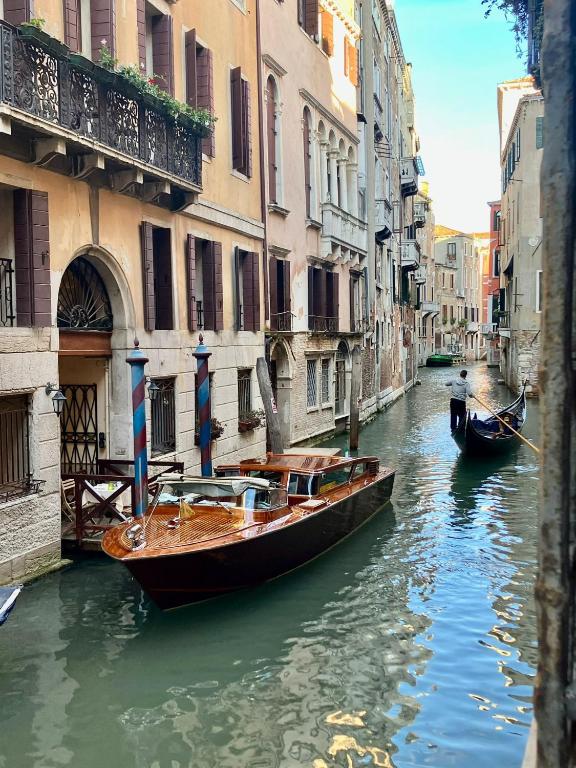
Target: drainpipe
x=261, y=155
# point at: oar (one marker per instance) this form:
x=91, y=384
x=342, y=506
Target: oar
x=534, y=448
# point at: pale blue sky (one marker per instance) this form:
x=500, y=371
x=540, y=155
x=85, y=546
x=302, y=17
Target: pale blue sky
x=458, y=59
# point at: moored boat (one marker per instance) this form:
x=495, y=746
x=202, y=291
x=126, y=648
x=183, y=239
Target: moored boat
x=256, y=520
x=489, y=437
x=439, y=361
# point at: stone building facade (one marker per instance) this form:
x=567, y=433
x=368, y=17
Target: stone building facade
x=522, y=142
x=118, y=222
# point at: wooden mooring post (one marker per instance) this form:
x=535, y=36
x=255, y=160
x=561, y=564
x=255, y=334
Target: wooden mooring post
x=355, y=398
x=272, y=416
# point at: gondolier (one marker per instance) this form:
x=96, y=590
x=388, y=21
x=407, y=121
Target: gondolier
x=460, y=390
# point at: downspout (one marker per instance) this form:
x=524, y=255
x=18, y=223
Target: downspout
x=262, y=173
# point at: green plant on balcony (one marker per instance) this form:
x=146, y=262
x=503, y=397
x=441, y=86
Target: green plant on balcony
x=463, y=323
x=36, y=22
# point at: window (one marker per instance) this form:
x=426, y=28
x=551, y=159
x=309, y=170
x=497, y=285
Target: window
x=451, y=313
x=156, y=46
x=444, y=313
x=452, y=280
x=355, y=304
x=15, y=477
x=307, y=136
x=340, y=379
x=311, y=384
x=327, y=37
x=241, y=123
x=539, y=290
x=163, y=418
x=280, y=314
x=323, y=300
x=204, y=284
x=325, y=380
x=244, y=392
x=539, y=132
x=496, y=272
x=247, y=288
x=86, y=24
x=308, y=16
x=272, y=134
x=200, y=82
x=451, y=249
x=496, y=221
x=157, y=277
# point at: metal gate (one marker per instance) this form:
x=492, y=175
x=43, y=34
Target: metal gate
x=79, y=434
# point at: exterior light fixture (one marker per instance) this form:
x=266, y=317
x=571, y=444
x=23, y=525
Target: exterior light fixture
x=58, y=401
x=153, y=389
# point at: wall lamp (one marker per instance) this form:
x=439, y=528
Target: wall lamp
x=153, y=389
x=58, y=401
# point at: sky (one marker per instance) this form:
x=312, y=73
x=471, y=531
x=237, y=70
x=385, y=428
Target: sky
x=458, y=59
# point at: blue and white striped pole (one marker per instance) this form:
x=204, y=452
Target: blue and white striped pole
x=136, y=360
x=201, y=354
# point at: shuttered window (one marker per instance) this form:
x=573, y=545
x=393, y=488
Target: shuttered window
x=352, y=63
x=156, y=277
x=200, y=82
x=17, y=11
x=241, y=123
x=327, y=32
x=308, y=16
x=163, y=51
x=141, y=26
x=323, y=300
x=247, y=290
x=271, y=134
x=102, y=27
x=280, y=311
x=32, y=258
x=72, y=32
x=204, y=291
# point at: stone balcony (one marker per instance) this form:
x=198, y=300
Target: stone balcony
x=410, y=254
x=342, y=229
x=63, y=112
x=420, y=275
x=383, y=219
x=472, y=327
x=430, y=308
x=408, y=176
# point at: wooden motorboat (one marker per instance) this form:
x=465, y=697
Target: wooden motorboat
x=256, y=520
x=489, y=437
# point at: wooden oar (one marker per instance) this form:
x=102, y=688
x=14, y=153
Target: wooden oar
x=534, y=448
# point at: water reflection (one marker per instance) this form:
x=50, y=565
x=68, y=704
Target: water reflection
x=412, y=643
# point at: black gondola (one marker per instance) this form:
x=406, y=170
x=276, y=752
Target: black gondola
x=488, y=437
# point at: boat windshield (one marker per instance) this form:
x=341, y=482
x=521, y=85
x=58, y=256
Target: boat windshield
x=270, y=499
x=173, y=488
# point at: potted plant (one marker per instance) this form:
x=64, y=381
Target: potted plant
x=33, y=30
x=251, y=420
x=216, y=431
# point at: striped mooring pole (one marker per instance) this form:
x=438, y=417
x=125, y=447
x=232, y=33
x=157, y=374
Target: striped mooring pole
x=137, y=360
x=201, y=354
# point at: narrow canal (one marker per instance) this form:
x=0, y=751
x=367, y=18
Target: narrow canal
x=410, y=644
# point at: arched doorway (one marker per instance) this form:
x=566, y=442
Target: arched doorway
x=281, y=379
x=342, y=383
x=86, y=322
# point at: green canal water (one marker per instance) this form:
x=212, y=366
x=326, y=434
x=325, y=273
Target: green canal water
x=410, y=644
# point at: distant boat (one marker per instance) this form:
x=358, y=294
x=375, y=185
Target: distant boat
x=205, y=536
x=488, y=437
x=8, y=597
x=439, y=361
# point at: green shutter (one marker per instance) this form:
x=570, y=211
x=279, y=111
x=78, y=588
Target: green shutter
x=539, y=132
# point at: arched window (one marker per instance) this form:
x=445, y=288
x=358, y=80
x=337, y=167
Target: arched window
x=83, y=303
x=272, y=140
x=307, y=128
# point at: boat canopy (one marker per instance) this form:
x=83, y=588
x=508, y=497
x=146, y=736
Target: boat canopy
x=214, y=487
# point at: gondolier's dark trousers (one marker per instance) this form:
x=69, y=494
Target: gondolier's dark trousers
x=457, y=412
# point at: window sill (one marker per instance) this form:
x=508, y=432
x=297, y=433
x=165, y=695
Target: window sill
x=275, y=208
x=312, y=409
x=240, y=176
x=327, y=406
x=313, y=224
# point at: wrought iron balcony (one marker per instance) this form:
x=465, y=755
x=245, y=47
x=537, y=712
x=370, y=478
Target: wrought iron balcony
x=410, y=254
x=420, y=275
x=281, y=321
x=318, y=324
x=85, y=120
x=7, y=315
x=419, y=215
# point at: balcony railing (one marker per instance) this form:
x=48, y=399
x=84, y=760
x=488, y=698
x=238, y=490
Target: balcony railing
x=281, y=321
x=318, y=324
x=7, y=315
x=408, y=176
x=410, y=254
x=52, y=91
x=419, y=215
x=420, y=275
x=357, y=325
x=342, y=228
x=430, y=307
x=383, y=219
x=504, y=323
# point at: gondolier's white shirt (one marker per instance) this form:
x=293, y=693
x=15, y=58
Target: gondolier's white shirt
x=461, y=389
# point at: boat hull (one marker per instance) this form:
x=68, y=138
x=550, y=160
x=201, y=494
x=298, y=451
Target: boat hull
x=179, y=579
x=439, y=361
x=471, y=442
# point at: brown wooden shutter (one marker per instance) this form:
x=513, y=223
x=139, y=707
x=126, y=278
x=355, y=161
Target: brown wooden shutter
x=346, y=57
x=320, y=292
x=218, y=287
x=72, y=32
x=17, y=11
x=208, y=286
x=311, y=17
x=163, y=51
x=247, y=105
x=327, y=33
x=147, y=247
x=251, y=291
x=205, y=93
x=191, y=281
x=287, y=288
x=353, y=66
x=191, y=72
x=102, y=26
x=274, y=266
x=271, y=135
x=32, y=258
x=237, y=122
x=311, y=308
x=141, y=25
x=239, y=299
x=307, y=163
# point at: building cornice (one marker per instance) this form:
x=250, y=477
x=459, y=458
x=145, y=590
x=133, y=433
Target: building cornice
x=313, y=102
x=214, y=214
x=336, y=8
x=272, y=64
x=524, y=101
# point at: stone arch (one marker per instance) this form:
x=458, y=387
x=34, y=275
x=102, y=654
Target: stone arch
x=281, y=377
x=342, y=378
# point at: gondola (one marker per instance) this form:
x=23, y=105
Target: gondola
x=489, y=437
